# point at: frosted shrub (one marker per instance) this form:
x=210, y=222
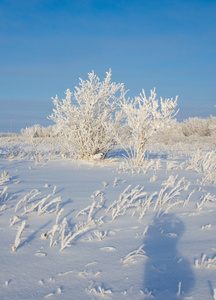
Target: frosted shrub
x=145, y=117
x=196, y=126
x=212, y=124
x=39, y=131
x=171, y=133
x=202, y=162
x=199, y=126
x=88, y=127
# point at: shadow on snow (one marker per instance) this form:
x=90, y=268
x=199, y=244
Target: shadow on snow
x=118, y=153
x=168, y=276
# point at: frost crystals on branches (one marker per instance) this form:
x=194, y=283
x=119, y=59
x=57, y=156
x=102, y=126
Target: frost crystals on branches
x=88, y=126
x=145, y=117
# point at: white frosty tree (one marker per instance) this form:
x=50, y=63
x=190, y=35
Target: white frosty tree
x=88, y=127
x=145, y=117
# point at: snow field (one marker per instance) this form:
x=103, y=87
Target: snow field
x=105, y=231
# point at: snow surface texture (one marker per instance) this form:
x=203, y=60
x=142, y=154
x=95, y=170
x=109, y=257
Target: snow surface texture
x=75, y=230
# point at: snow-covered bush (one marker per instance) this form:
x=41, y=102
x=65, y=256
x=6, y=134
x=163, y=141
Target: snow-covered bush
x=202, y=162
x=145, y=117
x=197, y=126
x=39, y=131
x=212, y=125
x=172, y=133
x=89, y=126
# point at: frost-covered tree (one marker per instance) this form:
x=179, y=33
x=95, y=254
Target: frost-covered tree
x=88, y=126
x=144, y=117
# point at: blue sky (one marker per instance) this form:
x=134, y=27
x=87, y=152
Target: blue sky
x=45, y=46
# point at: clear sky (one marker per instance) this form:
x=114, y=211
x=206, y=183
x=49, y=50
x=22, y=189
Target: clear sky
x=46, y=45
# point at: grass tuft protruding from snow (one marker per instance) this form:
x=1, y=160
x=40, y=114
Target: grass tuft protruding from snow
x=18, y=236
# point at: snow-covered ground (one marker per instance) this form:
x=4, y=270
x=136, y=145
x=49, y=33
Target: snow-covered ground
x=76, y=230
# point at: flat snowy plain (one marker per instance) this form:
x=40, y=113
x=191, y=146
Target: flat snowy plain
x=77, y=230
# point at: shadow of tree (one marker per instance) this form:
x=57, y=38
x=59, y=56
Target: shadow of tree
x=168, y=276
x=121, y=153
